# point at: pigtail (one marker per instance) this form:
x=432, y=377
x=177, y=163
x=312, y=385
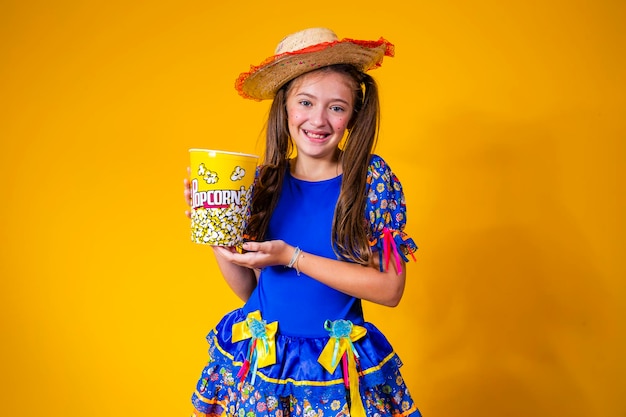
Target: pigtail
x=350, y=230
x=269, y=182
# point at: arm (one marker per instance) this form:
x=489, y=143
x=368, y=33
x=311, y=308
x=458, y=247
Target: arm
x=240, y=279
x=364, y=282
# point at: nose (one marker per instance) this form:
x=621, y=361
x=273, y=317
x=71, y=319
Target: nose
x=317, y=117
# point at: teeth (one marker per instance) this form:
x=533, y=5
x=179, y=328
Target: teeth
x=314, y=135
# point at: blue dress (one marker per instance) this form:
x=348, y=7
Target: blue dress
x=298, y=347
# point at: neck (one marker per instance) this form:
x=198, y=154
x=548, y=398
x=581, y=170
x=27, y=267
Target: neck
x=311, y=169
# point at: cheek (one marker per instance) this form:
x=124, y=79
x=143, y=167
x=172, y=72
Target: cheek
x=293, y=115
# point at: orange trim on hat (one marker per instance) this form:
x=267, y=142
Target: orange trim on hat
x=389, y=51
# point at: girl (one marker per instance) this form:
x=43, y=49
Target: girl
x=325, y=232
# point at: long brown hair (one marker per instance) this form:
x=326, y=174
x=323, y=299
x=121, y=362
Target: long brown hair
x=350, y=232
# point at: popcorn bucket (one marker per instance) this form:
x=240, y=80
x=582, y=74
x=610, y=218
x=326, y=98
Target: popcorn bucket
x=221, y=187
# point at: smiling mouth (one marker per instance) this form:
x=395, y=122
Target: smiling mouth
x=313, y=135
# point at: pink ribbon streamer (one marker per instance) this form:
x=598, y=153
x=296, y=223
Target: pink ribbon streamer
x=389, y=247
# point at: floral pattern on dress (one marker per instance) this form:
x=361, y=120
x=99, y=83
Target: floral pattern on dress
x=386, y=209
x=245, y=400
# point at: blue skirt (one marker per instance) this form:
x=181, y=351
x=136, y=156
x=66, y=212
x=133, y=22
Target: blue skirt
x=297, y=384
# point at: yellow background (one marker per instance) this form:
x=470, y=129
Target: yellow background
x=504, y=121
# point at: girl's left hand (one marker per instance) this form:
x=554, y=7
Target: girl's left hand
x=258, y=255
x=187, y=192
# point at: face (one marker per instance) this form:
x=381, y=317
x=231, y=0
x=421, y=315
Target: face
x=319, y=107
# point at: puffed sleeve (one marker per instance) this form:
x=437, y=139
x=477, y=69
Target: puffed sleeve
x=385, y=210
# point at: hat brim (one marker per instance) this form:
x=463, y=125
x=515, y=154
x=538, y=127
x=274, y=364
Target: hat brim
x=263, y=81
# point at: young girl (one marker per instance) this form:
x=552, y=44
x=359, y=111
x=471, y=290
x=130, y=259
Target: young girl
x=325, y=232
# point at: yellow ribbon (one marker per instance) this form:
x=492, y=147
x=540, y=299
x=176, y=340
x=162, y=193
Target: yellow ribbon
x=332, y=353
x=265, y=345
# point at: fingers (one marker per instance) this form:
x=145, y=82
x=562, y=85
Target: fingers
x=219, y=250
x=225, y=250
x=256, y=255
x=187, y=192
x=222, y=252
x=272, y=252
x=251, y=246
x=231, y=255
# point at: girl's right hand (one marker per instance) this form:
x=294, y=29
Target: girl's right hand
x=187, y=192
x=258, y=255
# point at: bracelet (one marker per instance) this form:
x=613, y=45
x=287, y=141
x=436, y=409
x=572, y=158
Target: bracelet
x=298, y=263
x=294, y=258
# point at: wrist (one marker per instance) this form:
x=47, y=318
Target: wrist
x=294, y=257
x=294, y=261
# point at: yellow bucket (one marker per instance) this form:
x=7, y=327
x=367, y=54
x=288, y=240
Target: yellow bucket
x=221, y=187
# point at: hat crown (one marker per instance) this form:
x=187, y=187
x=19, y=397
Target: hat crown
x=305, y=38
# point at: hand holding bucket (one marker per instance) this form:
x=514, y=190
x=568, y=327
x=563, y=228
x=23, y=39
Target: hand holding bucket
x=221, y=188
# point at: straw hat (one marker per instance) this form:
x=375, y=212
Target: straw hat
x=305, y=51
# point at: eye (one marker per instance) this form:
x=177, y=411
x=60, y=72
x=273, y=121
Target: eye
x=305, y=103
x=337, y=109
